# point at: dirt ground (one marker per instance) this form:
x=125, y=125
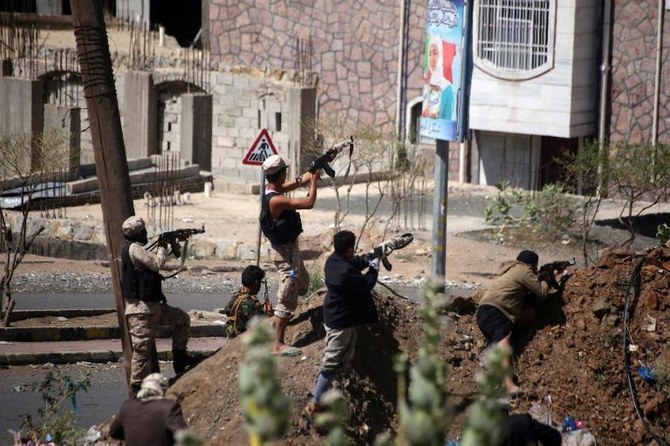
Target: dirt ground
x=572, y=355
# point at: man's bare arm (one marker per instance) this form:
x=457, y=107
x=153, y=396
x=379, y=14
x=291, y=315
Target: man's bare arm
x=281, y=202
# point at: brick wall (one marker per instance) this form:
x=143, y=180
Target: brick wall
x=633, y=70
x=353, y=47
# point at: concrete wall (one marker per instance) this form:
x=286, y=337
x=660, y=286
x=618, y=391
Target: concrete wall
x=22, y=111
x=134, y=9
x=634, y=42
x=49, y=7
x=140, y=112
x=66, y=121
x=561, y=102
x=353, y=46
x=196, y=130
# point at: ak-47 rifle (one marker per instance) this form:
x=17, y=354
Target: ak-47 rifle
x=323, y=161
x=387, y=247
x=173, y=238
x=548, y=271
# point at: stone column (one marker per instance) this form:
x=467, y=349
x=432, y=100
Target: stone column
x=196, y=130
x=140, y=124
x=66, y=121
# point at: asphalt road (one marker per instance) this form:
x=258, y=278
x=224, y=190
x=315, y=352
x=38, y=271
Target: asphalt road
x=102, y=400
x=186, y=302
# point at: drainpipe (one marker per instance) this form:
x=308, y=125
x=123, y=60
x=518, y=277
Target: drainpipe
x=399, y=119
x=657, y=78
x=604, y=80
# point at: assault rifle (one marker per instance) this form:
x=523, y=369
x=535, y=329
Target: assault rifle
x=387, y=247
x=173, y=238
x=548, y=271
x=323, y=162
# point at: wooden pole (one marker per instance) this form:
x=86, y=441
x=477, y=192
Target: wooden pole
x=111, y=165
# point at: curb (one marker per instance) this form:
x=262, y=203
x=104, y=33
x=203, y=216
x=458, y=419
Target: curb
x=19, y=315
x=55, y=334
x=100, y=356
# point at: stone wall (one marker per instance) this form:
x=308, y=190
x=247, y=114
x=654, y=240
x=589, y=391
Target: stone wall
x=352, y=46
x=633, y=70
x=85, y=240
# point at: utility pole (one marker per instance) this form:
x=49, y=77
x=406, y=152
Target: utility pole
x=440, y=199
x=111, y=166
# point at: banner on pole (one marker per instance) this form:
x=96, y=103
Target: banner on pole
x=442, y=65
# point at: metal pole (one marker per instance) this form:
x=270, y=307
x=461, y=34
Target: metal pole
x=261, y=192
x=439, y=251
x=107, y=139
x=657, y=76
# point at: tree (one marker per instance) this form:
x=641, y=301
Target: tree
x=95, y=62
x=371, y=164
x=638, y=175
x=26, y=163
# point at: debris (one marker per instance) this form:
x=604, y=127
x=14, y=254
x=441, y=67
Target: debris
x=648, y=374
x=651, y=326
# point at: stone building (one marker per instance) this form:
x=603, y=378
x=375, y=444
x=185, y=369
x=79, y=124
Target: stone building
x=639, y=105
x=547, y=77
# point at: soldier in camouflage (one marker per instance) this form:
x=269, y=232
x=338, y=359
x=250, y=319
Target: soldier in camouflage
x=245, y=304
x=146, y=306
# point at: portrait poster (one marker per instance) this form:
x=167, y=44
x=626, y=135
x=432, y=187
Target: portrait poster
x=442, y=66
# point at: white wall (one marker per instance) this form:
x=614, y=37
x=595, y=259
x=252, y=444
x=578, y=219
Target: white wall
x=561, y=102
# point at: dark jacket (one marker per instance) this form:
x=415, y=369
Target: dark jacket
x=522, y=430
x=349, y=301
x=149, y=422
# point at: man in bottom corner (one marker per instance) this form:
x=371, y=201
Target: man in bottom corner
x=348, y=304
x=149, y=418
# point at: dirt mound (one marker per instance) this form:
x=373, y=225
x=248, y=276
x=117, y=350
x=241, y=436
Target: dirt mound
x=573, y=352
x=210, y=398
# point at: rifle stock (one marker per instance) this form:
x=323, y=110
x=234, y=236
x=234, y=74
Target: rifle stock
x=387, y=247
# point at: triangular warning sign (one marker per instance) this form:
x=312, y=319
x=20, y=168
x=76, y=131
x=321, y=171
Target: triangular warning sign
x=261, y=149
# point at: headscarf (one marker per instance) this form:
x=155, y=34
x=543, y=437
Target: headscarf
x=153, y=387
x=437, y=76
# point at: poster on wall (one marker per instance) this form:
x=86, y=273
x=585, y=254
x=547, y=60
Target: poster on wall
x=442, y=64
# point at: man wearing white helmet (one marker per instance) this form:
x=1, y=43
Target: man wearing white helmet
x=281, y=224
x=149, y=418
x=146, y=306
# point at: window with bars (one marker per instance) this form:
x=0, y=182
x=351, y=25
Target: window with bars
x=514, y=39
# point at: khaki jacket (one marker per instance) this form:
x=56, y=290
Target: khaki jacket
x=508, y=292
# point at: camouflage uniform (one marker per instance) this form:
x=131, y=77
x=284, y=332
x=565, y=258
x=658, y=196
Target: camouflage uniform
x=241, y=308
x=293, y=278
x=144, y=317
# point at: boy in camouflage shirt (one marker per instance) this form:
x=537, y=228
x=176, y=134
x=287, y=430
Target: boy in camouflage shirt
x=245, y=304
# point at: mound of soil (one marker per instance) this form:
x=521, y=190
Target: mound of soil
x=209, y=394
x=570, y=361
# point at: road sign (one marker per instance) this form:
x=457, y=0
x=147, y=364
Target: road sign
x=261, y=149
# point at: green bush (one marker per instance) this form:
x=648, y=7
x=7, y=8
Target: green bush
x=316, y=281
x=55, y=420
x=549, y=209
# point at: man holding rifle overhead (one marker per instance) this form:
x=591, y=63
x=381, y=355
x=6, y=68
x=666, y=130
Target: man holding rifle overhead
x=281, y=224
x=146, y=306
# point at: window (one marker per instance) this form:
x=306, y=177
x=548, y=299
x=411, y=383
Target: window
x=514, y=39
